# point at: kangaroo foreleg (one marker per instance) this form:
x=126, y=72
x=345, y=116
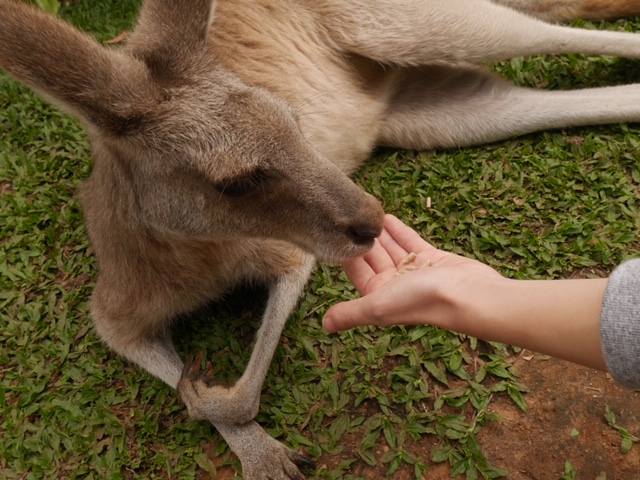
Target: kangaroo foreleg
x=444, y=106
x=238, y=404
x=261, y=455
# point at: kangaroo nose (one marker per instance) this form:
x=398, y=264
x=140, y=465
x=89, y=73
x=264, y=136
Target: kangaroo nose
x=362, y=234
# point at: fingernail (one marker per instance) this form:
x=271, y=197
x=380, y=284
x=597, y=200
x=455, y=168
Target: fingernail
x=329, y=325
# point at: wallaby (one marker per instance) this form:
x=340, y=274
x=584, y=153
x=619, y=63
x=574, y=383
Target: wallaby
x=223, y=133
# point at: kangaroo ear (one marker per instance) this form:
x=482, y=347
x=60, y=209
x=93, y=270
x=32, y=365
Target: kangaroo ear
x=170, y=33
x=103, y=87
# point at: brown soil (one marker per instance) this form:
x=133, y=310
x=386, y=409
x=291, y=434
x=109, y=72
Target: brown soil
x=5, y=187
x=563, y=397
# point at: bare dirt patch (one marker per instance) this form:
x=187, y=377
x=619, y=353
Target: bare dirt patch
x=5, y=187
x=563, y=397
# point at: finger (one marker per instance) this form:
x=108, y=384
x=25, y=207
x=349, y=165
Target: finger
x=405, y=236
x=411, y=241
x=378, y=258
x=359, y=272
x=395, y=252
x=346, y=315
x=364, y=278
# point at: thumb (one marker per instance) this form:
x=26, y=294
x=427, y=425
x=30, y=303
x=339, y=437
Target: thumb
x=346, y=315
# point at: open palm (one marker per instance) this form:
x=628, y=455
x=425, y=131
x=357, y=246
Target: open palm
x=399, y=250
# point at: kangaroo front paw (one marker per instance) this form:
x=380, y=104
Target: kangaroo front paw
x=207, y=398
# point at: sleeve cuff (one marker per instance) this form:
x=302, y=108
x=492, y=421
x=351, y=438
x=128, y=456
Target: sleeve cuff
x=620, y=324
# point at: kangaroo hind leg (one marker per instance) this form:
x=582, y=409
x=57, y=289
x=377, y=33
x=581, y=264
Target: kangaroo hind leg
x=445, y=106
x=410, y=32
x=555, y=11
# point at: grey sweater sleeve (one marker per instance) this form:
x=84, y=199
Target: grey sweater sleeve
x=620, y=324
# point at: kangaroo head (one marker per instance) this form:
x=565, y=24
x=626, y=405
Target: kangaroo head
x=185, y=147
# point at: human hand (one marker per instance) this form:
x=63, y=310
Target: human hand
x=405, y=280
x=467, y=296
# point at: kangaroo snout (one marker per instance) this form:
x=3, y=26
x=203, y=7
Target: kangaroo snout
x=339, y=226
x=360, y=222
x=366, y=222
x=362, y=234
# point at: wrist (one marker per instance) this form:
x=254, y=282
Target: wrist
x=482, y=309
x=470, y=304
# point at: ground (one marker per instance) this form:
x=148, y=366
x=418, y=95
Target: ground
x=565, y=422
x=564, y=397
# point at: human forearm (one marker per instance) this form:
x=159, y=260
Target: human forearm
x=560, y=318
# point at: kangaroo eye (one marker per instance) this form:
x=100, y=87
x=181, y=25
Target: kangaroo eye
x=238, y=186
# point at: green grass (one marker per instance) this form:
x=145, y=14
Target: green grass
x=554, y=204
